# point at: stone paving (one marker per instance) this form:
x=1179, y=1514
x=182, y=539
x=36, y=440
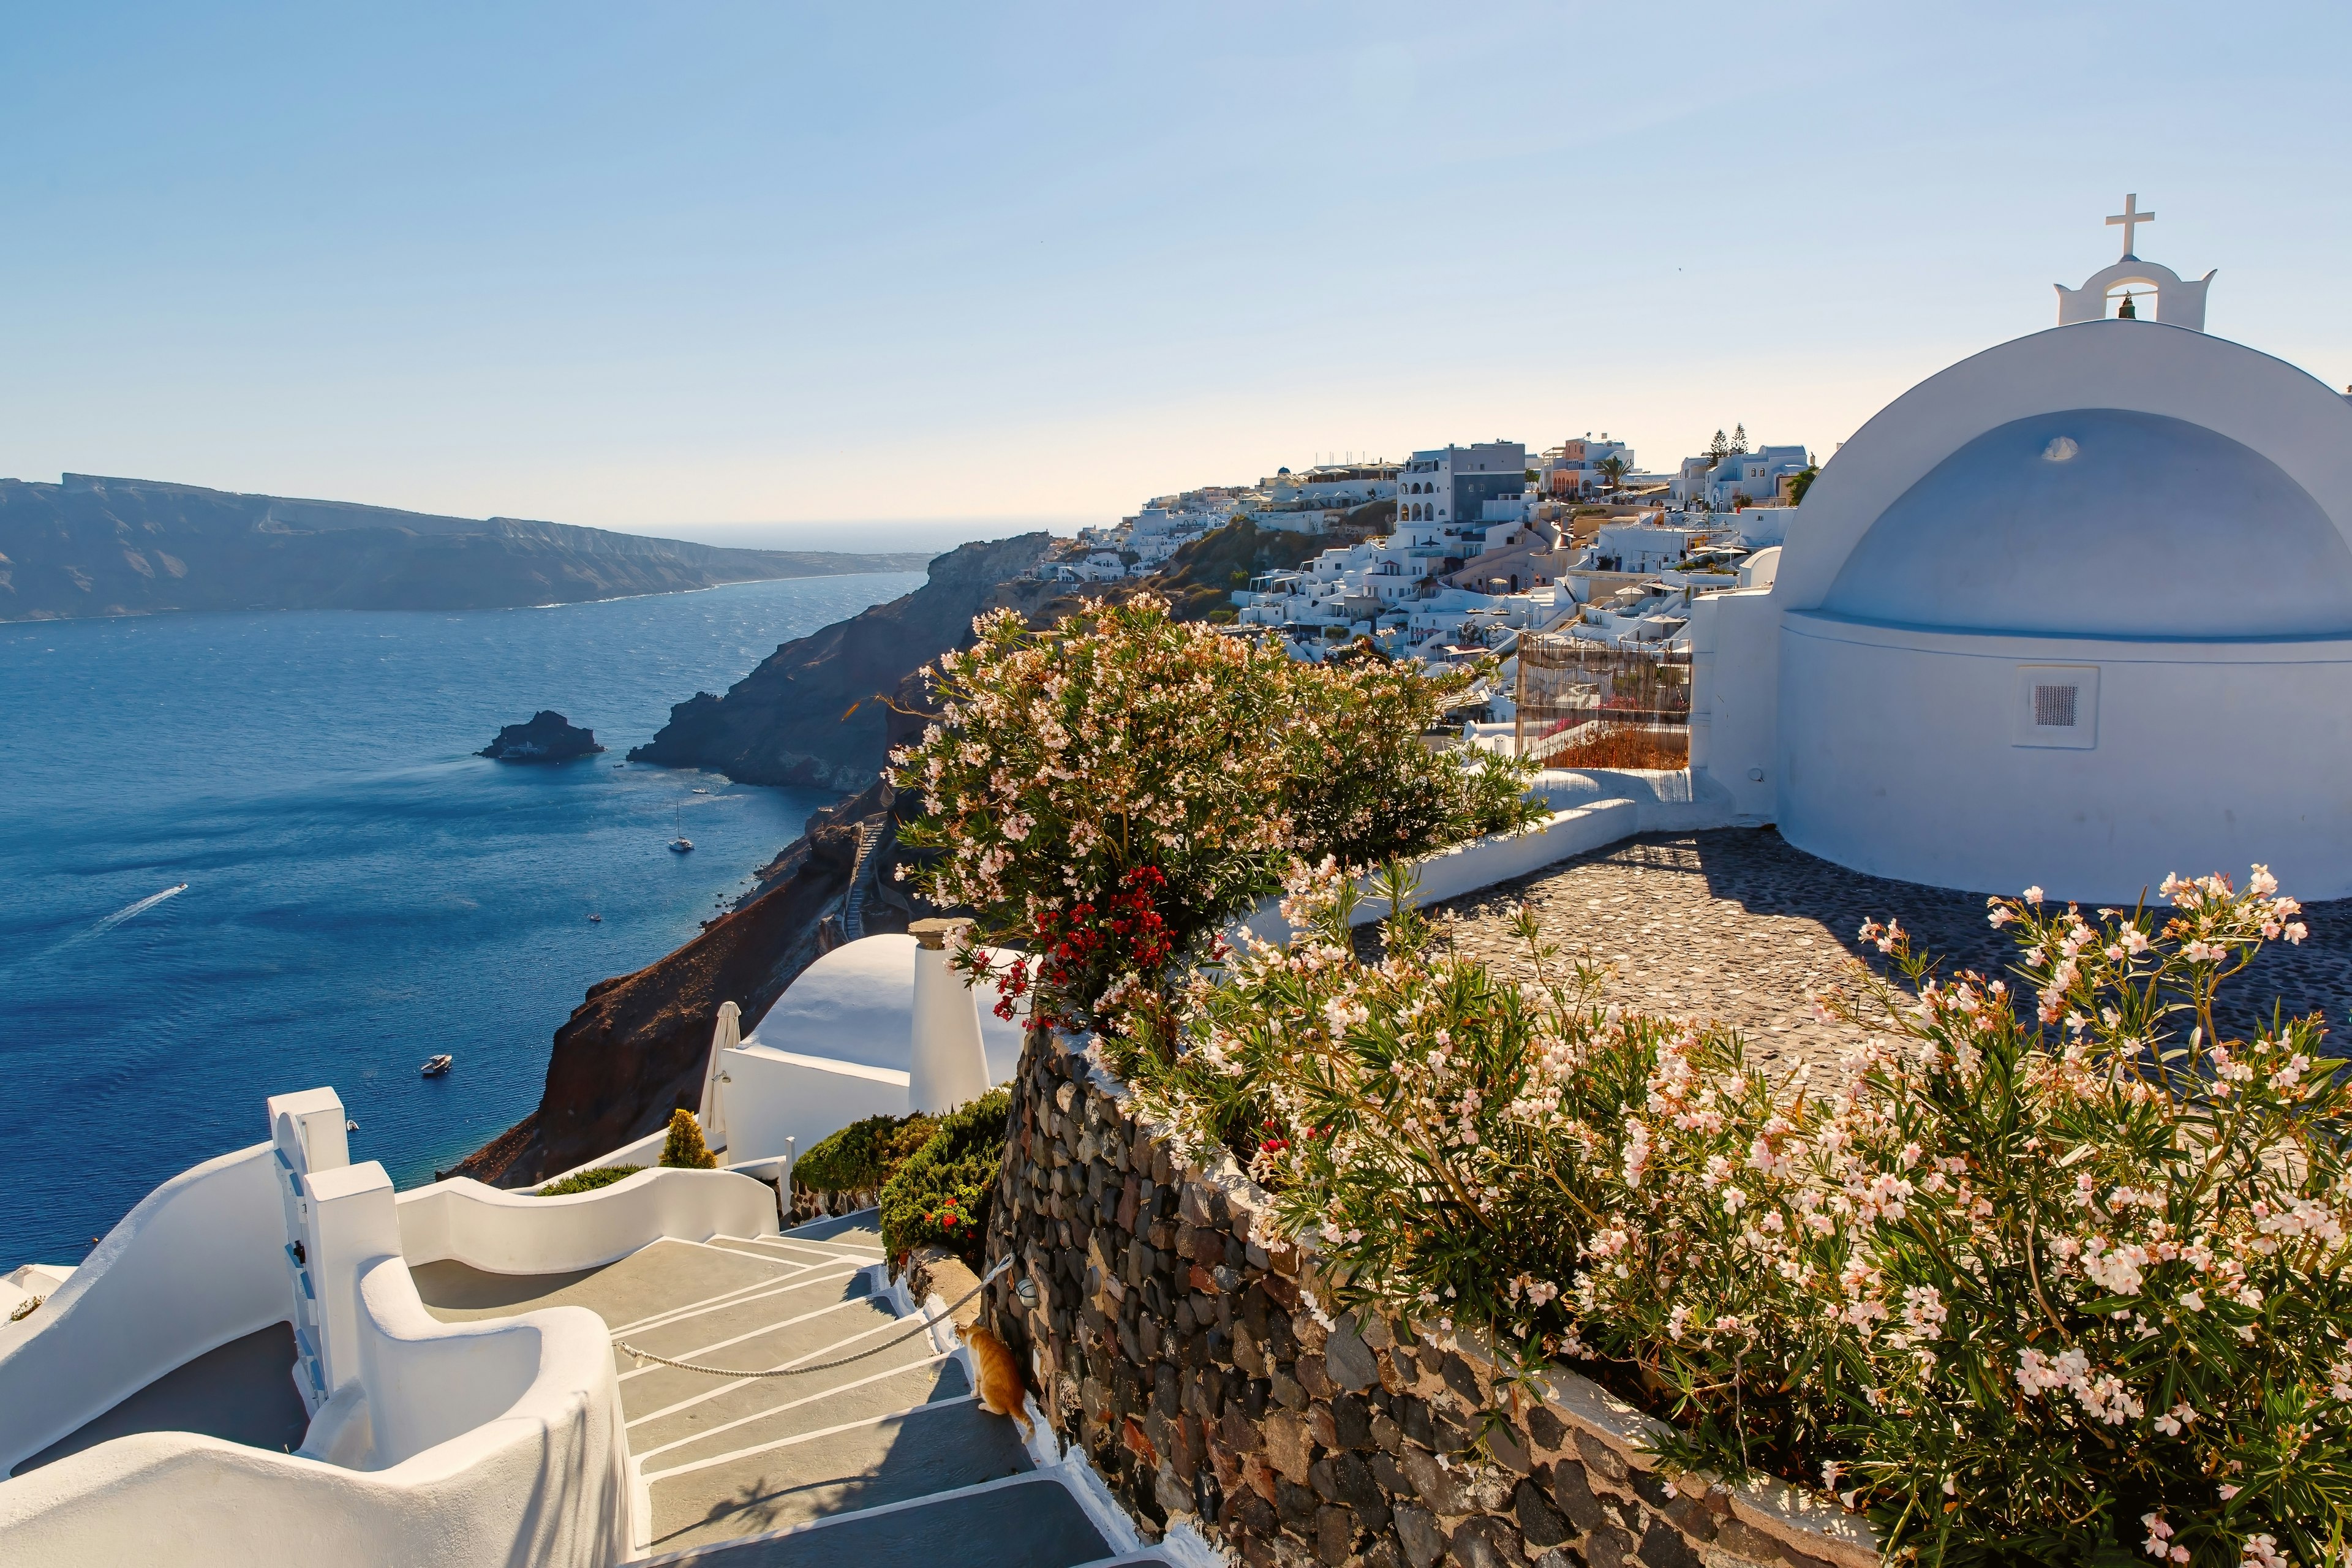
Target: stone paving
x=1735, y=925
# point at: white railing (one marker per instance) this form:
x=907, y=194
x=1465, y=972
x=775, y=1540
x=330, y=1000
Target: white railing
x=197, y=1263
x=518, y=1233
x=459, y=1443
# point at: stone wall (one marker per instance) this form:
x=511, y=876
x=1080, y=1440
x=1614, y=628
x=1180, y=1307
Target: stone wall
x=1179, y=1345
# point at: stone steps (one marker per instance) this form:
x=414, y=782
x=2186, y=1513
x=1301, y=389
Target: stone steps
x=883, y=1461
x=1023, y=1522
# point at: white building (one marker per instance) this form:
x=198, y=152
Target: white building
x=2074, y=612
x=1453, y=484
x=1573, y=469
x=1738, y=477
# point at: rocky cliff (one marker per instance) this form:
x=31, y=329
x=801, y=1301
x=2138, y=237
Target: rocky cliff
x=93, y=546
x=816, y=711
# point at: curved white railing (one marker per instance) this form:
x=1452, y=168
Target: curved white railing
x=482, y=1443
x=196, y=1264
x=516, y=1233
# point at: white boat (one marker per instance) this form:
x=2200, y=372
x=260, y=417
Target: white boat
x=437, y=1065
x=680, y=845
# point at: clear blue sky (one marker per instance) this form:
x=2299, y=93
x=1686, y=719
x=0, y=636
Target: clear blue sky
x=670, y=267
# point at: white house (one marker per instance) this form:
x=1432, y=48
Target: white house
x=2076, y=612
x=1453, y=484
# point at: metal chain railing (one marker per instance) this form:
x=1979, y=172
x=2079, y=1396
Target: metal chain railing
x=925, y=1322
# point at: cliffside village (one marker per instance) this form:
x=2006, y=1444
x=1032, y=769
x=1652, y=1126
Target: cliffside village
x=1458, y=552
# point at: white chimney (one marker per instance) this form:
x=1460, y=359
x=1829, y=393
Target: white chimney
x=949, y=1064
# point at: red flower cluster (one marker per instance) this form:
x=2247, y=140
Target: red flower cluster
x=1084, y=941
x=948, y=1216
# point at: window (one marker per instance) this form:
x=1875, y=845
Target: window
x=2057, y=705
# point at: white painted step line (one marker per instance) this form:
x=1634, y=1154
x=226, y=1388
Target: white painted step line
x=759, y=1292
x=822, y=1251
x=653, y=1476
x=953, y=1494
x=769, y=1328
x=737, y=1252
x=826, y=1392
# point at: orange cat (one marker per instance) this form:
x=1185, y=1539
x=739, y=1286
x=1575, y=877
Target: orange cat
x=1002, y=1389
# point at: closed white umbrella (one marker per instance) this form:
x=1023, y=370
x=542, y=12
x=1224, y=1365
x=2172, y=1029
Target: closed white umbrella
x=725, y=1038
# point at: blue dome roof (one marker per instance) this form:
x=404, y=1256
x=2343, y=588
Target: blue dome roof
x=2101, y=522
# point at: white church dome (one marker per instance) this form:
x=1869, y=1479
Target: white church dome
x=2103, y=522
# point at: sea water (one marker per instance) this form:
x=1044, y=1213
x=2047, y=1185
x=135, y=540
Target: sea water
x=360, y=891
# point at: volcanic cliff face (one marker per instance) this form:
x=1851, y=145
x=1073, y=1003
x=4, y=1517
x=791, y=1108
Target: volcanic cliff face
x=816, y=711
x=94, y=546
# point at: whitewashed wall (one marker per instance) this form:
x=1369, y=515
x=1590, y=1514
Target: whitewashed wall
x=197, y=1263
x=490, y=1442
x=518, y=1233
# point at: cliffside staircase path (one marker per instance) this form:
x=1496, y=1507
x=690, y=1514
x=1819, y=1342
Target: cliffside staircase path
x=853, y=903
x=884, y=1462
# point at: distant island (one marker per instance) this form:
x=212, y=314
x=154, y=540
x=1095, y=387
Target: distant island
x=91, y=546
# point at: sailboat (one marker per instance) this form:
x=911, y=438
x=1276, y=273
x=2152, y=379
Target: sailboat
x=680, y=845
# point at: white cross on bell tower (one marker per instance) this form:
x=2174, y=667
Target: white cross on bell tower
x=2180, y=301
x=2131, y=217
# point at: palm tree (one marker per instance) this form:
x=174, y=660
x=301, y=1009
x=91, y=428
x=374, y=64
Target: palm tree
x=1612, y=469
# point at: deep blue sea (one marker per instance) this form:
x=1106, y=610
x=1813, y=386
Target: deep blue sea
x=362, y=893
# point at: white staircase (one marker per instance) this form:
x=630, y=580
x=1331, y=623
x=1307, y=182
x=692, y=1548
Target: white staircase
x=885, y=1461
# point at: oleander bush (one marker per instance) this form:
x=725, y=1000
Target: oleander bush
x=1108, y=794
x=2058, y=1276
x=941, y=1191
x=586, y=1181
x=863, y=1155
x=685, y=1147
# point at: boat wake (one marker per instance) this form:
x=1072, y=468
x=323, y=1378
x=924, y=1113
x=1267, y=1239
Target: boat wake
x=132, y=911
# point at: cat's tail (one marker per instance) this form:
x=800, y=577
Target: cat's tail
x=1021, y=1415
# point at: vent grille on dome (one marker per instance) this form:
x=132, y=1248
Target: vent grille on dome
x=2054, y=707
x=2057, y=705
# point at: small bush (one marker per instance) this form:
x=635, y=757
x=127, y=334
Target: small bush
x=941, y=1194
x=587, y=1181
x=686, y=1148
x=863, y=1155
x=25, y=1307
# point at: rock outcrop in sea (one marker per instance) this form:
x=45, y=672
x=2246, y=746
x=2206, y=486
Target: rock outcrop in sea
x=549, y=737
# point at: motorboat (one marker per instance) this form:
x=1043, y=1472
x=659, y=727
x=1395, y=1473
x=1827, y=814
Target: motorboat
x=437, y=1065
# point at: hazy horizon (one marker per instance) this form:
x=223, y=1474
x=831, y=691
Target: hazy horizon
x=777, y=269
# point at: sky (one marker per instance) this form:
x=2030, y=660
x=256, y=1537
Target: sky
x=901, y=274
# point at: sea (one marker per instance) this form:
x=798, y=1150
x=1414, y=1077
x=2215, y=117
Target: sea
x=242, y=854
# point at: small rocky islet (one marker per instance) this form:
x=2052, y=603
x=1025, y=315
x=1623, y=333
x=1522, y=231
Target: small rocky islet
x=548, y=737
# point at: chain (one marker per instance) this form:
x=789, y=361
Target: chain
x=926, y=1322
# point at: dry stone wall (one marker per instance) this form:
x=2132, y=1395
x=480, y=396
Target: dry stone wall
x=1180, y=1344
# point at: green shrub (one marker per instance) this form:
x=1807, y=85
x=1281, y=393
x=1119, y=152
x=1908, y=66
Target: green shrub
x=861, y=1157
x=686, y=1148
x=586, y=1181
x=942, y=1192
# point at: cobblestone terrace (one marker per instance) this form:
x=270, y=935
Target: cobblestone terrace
x=1735, y=925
